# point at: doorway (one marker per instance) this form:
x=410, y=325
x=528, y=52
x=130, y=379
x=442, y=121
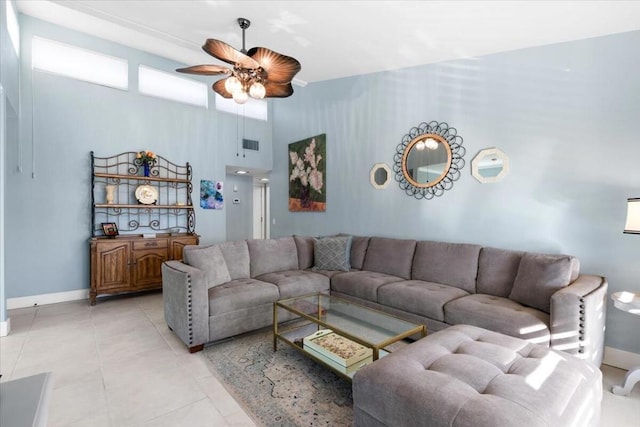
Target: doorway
x=261, y=228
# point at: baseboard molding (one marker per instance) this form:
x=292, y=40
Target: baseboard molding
x=33, y=300
x=5, y=327
x=620, y=358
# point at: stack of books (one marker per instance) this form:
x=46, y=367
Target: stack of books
x=340, y=353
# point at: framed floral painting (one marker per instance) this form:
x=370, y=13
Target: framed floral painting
x=307, y=168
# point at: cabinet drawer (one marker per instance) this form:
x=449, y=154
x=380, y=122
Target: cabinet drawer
x=149, y=244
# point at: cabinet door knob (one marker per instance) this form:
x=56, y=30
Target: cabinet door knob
x=151, y=244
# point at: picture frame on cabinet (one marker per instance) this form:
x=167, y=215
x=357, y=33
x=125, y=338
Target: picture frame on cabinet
x=110, y=229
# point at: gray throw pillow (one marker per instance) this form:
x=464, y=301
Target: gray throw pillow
x=332, y=253
x=539, y=277
x=210, y=260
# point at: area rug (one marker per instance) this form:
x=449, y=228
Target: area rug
x=281, y=388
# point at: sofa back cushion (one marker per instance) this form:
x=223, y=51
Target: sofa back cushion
x=359, y=246
x=390, y=256
x=453, y=264
x=497, y=270
x=271, y=255
x=210, y=260
x=236, y=255
x=540, y=276
x=304, y=246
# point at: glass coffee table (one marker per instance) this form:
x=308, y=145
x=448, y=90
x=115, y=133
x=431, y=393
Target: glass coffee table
x=312, y=315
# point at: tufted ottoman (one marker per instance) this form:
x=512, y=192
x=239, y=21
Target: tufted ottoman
x=468, y=376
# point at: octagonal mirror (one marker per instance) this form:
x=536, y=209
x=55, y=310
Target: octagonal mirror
x=490, y=165
x=380, y=176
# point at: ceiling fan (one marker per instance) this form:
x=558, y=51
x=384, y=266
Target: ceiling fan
x=259, y=72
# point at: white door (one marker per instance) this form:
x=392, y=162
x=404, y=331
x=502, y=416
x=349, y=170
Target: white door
x=260, y=220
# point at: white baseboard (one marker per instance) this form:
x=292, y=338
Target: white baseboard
x=620, y=358
x=5, y=327
x=32, y=300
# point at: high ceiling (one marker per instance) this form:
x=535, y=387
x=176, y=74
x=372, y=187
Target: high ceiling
x=335, y=39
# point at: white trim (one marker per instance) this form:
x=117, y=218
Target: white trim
x=42, y=299
x=620, y=358
x=5, y=327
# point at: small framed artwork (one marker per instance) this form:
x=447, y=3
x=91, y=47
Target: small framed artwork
x=110, y=229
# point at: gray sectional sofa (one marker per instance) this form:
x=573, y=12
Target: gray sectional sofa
x=226, y=289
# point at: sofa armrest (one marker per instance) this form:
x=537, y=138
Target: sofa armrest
x=186, y=303
x=578, y=318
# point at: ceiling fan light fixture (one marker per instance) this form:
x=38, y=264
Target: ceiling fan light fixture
x=240, y=96
x=232, y=85
x=258, y=72
x=257, y=90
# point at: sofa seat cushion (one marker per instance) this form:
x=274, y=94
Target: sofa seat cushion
x=240, y=294
x=361, y=284
x=500, y=315
x=418, y=297
x=327, y=273
x=294, y=283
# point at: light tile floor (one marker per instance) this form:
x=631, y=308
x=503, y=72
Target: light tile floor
x=117, y=364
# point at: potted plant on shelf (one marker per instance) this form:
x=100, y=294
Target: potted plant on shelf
x=146, y=159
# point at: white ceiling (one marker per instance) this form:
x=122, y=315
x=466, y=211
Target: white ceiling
x=333, y=39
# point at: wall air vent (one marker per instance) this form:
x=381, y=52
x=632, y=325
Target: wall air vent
x=249, y=144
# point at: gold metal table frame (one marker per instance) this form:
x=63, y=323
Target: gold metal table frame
x=366, y=326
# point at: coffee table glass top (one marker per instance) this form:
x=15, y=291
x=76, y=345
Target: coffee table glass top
x=376, y=328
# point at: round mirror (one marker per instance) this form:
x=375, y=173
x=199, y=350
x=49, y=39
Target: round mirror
x=490, y=165
x=380, y=176
x=428, y=160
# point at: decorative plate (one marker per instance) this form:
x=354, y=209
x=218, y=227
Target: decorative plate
x=146, y=194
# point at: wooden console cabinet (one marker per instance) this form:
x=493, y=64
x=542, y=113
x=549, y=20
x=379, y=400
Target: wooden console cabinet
x=132, y=263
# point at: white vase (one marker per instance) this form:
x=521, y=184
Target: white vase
x=110, y=193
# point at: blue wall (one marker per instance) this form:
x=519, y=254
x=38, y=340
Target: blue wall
x=567, y=115
x=48, y=204
x=9, y=107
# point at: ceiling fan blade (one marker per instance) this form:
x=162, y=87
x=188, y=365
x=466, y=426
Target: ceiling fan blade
x=228, y=54
x=278, y=91
x=207, y=70
x=280, y=68
x=218, y=87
